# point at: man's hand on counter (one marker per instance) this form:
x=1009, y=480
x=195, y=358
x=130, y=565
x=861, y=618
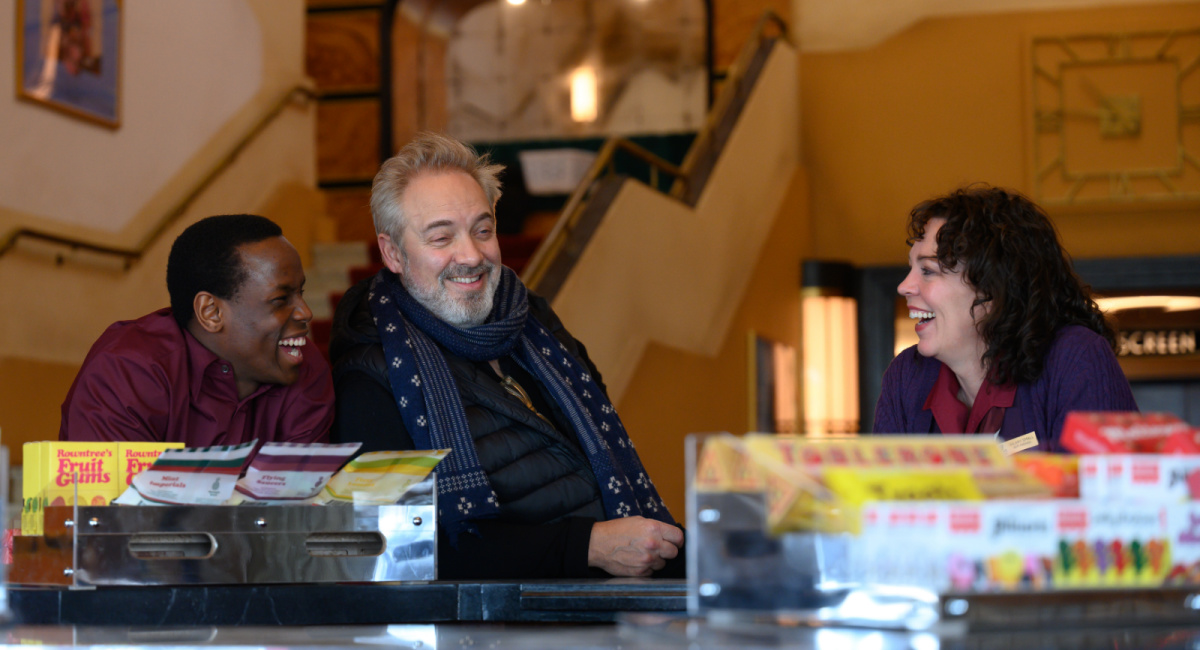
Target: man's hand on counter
x=633, y=546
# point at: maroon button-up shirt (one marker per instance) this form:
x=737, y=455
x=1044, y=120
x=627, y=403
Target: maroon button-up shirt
x=150, y=380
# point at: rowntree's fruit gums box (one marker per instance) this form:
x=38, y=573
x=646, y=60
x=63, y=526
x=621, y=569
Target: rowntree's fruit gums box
x=31, y=489
x=89, y=467
x=104, y=470
x=1123, y=433
x=50, y=469
x=134, y=457
x=203, y=476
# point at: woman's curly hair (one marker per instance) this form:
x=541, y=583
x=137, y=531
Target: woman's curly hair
x=1009, y=252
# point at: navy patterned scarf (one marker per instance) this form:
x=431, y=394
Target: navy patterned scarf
x=432, y=410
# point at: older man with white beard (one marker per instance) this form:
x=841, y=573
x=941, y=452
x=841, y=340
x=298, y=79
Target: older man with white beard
x=445, y=348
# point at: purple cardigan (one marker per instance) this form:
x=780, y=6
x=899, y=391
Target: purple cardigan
x=1081, y=374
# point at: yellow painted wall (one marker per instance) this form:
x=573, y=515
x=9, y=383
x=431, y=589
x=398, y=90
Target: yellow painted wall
x=29, y=404
x=674, y=393
x=194, y=79
x=35, y=383
x=53, y=312
x=943, y=104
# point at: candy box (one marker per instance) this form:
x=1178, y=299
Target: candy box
x=1159, y=478
x=135, y=457
x=86, y=469
x=1105, y=432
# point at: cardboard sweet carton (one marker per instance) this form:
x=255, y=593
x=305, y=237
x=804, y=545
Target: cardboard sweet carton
x=32, y=501
x=1028, y=545
x=54, y=472
x=86, y=469
x=1160, y=478
x=1102, y=432
x=135, y=457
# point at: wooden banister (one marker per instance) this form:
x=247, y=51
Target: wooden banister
x=298, y=95
x=684, y=174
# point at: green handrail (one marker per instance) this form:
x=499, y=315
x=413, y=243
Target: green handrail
x=298, y=95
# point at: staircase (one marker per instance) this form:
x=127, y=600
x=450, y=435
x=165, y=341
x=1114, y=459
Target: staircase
x=348, y=57
x=629, y=264
x=620, y=233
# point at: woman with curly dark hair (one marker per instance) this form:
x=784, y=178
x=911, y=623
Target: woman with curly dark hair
x=1010, y=339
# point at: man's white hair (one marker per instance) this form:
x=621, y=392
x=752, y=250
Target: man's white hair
x=427, y=153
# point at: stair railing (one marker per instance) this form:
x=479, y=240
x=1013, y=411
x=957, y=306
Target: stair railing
x=298, y=96
x=603, y=165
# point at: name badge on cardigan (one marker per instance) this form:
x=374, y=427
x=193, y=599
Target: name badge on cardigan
x=1010, y=447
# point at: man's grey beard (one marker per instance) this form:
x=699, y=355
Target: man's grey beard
x=469, y=312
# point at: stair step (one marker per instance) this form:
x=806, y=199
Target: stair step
x=340, y=254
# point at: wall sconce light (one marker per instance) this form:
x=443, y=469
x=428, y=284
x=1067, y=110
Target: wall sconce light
x=516, y=3
x=584, y=94
x=829, y=335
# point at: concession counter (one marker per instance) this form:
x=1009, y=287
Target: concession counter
x=775, y=559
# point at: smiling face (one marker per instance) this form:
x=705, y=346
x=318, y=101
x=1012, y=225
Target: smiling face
x=264, y=324
x=941, y=301
x=448, y=257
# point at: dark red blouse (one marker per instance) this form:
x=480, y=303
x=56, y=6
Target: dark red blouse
x=984, y=416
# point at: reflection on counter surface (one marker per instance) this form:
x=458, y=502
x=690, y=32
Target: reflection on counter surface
x=632, y=633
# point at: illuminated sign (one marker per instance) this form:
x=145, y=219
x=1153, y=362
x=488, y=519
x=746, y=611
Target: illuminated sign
x=1145, y=343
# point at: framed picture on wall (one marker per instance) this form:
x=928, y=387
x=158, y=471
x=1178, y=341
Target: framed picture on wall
x=68, y=57
x=772, y=395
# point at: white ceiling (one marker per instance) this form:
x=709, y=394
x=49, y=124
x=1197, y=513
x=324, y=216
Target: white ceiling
x=831, y=25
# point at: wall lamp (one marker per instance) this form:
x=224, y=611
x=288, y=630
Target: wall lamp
x=829, y=336
x=584, y=94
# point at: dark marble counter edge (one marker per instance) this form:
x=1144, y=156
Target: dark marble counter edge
x=346, y=604
x=678, y=632
x=535, y=601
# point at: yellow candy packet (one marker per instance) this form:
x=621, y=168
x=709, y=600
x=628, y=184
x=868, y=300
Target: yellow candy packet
x=795, y=501
x=724, y=466
x=859, y=486
x=379, y=477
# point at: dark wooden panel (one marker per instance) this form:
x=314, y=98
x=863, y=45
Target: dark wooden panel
x=418, y=80
x=351, y=208
x=342, y=54
x=320, y=5
x=347, y=140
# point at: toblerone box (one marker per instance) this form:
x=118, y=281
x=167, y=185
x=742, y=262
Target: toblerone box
x=92, y=464
x=31, y=489
x=133, y=457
